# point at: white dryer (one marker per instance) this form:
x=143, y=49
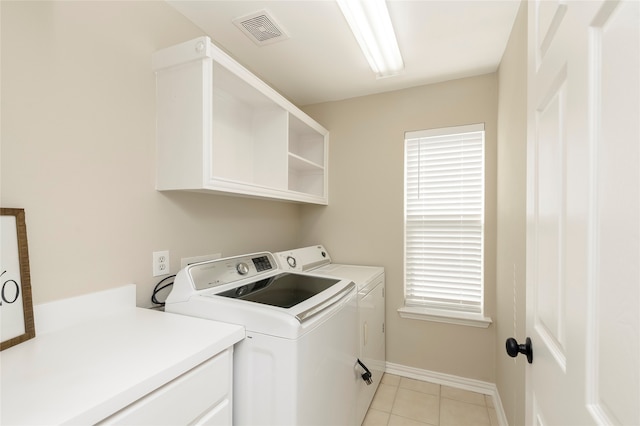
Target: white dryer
x=370, y=281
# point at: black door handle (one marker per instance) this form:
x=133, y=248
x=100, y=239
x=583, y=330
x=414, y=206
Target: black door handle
x=513, y=348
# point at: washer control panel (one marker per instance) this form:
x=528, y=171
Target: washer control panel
x=242, y=268
x=219, y=272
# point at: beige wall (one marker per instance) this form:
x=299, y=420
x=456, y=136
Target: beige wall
x=77, y=153
x=511, y=259
x=363, y=223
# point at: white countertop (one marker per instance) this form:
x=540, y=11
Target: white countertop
x=79, y=371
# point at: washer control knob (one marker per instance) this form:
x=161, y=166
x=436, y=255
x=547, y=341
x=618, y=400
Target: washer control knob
x=291, y=261
x=242, y=268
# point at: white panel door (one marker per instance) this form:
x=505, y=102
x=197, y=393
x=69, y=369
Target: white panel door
x=583, y=212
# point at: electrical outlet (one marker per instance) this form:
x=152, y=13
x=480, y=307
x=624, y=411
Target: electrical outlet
x=160, y=263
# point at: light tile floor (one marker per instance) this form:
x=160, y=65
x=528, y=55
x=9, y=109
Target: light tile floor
x=402, y=401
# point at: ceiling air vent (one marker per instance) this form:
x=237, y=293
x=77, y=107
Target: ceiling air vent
x=261, y=28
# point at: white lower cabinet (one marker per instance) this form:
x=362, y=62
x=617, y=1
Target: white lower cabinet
x=201, y=396
x=220, y=415
x=98, y=359
x=221, y=129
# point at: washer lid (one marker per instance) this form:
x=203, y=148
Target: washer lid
x=283, y=290
x=272, y=320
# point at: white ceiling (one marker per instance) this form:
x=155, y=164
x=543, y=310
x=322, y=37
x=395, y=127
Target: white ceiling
x=321, y=61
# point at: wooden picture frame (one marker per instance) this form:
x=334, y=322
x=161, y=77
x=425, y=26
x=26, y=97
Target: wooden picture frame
x=16, y=307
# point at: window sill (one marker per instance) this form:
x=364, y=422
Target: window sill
x=447, y=317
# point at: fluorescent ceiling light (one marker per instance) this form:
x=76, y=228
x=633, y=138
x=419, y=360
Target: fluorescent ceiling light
x=371, y=25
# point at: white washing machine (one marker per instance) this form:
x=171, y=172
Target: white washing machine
x=298, y=363
x=370, y=281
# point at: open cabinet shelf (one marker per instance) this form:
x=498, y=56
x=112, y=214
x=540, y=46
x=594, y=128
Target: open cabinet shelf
x=221, y=129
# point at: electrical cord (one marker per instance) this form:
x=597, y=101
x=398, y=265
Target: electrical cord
x=159, y=287
x=367, y=376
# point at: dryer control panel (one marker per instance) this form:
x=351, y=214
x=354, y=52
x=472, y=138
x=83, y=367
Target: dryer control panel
x=303, y=259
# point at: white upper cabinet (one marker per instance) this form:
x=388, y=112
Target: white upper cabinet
x=221, y=129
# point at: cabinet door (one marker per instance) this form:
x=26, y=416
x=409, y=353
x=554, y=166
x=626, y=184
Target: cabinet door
x=184, y=399
x=218, y=416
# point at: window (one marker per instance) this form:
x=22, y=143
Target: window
x=444, y=225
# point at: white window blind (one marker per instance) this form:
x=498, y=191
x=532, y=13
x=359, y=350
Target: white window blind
x=444, y=219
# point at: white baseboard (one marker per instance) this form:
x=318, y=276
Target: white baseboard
x=472, y=385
